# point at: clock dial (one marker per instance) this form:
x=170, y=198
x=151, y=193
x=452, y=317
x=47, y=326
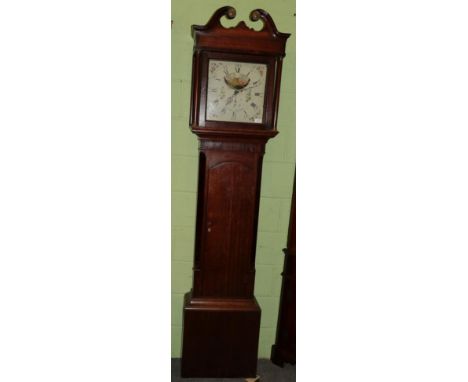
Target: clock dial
x=236, y=91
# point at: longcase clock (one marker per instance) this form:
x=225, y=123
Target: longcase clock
x=236, y=75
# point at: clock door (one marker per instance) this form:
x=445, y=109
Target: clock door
x=228, y=248
x=236, y=91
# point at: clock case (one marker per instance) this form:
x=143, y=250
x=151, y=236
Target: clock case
x=221, y=317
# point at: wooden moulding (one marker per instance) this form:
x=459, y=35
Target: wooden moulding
x=240, y=38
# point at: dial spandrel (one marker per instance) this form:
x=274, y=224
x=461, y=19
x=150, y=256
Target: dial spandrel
x=236, y=91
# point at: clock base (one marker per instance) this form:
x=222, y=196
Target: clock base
x=220, y=337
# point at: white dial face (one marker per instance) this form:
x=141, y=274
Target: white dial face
x=236, y=91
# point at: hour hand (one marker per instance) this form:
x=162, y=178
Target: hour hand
x=254, y=85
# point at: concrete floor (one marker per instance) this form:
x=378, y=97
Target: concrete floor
x=267, y=371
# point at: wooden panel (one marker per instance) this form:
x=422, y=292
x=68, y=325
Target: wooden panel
x=228, y=226
x=220, y=339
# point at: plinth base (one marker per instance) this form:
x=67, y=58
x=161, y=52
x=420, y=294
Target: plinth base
x=220, y=337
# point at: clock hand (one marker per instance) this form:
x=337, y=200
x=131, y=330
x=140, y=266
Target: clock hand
x=246, y=88
x=237, y=91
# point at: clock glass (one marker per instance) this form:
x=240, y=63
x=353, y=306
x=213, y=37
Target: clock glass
x=236, y=91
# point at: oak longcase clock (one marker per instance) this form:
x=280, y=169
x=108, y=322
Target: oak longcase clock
x=236, y=75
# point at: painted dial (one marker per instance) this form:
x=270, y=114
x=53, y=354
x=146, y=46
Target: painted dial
x=236, y=91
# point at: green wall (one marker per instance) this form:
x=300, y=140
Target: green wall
x=278, y=168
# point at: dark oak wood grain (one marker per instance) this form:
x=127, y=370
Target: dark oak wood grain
x=221, y=318
x=284, y=349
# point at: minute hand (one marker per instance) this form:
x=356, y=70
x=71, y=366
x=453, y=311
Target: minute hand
x=236, y=92
x=246, y=88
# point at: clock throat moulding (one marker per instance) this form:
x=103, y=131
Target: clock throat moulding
x=236, y=74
